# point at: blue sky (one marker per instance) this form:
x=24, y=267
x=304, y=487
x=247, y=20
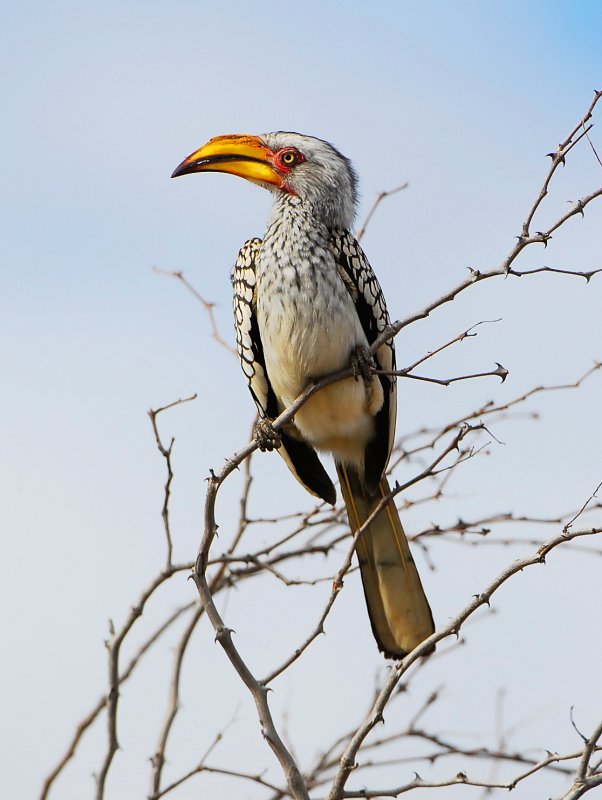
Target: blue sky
x=101, y=102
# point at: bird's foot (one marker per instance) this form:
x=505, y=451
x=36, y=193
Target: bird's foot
x=265, y=437
x=361, y=364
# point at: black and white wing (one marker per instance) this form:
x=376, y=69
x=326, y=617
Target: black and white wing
x=363, y=285
x=299, y=456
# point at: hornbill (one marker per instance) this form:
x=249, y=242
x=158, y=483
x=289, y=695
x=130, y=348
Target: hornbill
x=307, y=304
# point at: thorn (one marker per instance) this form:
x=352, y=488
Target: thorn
x=501, y=371
x=545, y=237
x=461, y=776
x=484, y=598
x=559, y=155
x=575, y=726
x=223, y=632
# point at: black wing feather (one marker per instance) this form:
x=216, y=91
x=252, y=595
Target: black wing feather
x=299, y=456
x=371, y=309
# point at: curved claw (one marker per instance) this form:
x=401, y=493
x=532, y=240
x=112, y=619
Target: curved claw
x=361, y=363
x=266, y=438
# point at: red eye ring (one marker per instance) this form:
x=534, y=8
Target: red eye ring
x=287, y=158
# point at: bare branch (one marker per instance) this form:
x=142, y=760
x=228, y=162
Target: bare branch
x=461, y=778
x=379, y=198
x=91, y=717
x=586, y=777
x=207, y=305
x=113, y=648
x=259, y=692
x=466, y=334
x=166, y=453
x=220, y=771
x=559, y=157
x=499, y=372
x=375, y=716
x=583, y=507
x=591, y=144
x=158, y=759
x=587, y=275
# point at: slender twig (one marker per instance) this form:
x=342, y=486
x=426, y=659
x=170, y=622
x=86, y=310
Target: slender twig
x=218, y=771
x=158, y=759
x=468, y=333
x=207, y=305
x=113, y=649
x=587, y=275
x=559, y=157
x=586, y=777
x=379, y=198
x=90, y=718
x=166, y=453
x=591, y=144
x=499, y=372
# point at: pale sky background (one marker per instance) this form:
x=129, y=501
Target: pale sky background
x=100, y=103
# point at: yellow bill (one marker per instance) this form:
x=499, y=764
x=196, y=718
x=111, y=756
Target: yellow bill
x=239, y=154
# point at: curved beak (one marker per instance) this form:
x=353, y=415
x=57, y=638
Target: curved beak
x=245, y=156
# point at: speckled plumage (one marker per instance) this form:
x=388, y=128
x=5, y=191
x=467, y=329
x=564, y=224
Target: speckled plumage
x=305, y=302
x=298, y=292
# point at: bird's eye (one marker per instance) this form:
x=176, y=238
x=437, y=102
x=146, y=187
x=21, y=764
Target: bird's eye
x=289, y=158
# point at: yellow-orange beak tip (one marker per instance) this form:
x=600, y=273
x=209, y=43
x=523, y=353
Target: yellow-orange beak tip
x=245, y=156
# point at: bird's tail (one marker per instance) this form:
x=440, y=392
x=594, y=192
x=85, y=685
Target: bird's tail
x=399, y=611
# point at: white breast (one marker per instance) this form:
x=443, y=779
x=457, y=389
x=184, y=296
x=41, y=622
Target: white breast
x=309, y=328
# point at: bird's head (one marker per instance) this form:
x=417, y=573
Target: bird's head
x=287, y=164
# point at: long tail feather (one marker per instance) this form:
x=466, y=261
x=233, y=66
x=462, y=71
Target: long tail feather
x=399, y=612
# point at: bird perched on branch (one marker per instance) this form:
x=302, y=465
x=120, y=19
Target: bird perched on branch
x=307, y=304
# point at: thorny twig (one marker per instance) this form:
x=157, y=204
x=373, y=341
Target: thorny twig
x=207, y=305
x=347, y=761
x=379, y=198
x=166, y=453
x=90, y=718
